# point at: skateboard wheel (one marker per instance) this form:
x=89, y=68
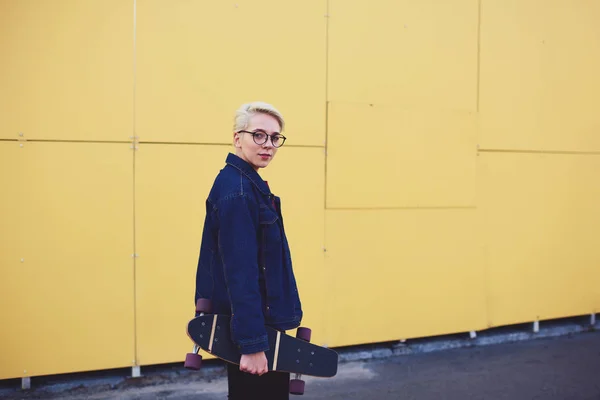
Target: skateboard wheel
x=193, y=361
x=304, y=334
x=204, y=306
x=296, y=386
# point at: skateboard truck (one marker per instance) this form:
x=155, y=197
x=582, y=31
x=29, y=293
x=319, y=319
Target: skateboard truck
x=297, y=384
x=193, y=360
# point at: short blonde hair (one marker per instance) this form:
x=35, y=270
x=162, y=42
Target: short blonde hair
x=246, y=111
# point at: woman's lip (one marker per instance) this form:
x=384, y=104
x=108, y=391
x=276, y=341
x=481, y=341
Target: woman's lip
x=265, y=155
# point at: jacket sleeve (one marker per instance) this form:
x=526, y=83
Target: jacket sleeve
x=204, y=278
x=238, y=247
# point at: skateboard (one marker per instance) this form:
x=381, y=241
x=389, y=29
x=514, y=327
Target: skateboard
x=296, y=355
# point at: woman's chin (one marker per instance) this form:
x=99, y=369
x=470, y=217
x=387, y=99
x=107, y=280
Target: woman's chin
x=262, y=163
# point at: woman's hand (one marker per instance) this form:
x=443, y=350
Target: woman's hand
x=254, y=363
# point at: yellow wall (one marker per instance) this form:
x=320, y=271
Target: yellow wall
x=440, y=176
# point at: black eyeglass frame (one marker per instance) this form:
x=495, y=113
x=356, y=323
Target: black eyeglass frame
x=267, y=136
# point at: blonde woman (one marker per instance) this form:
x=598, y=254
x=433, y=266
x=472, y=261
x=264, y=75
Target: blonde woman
x=245, y=266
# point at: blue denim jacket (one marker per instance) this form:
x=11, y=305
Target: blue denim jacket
x=245, y=265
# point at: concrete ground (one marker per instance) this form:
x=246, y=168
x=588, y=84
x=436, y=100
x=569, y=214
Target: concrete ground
x=566, y=367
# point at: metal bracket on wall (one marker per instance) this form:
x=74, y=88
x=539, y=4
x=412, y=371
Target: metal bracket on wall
x=21, y=138
x=135, y=142
x=136, y=371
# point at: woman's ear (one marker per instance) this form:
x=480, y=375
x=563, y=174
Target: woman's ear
x=237, y=138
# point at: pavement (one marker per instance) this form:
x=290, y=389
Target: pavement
x=565, y=367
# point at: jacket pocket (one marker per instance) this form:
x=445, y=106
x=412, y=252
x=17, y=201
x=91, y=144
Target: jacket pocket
x=270, y=231
x=266, y=215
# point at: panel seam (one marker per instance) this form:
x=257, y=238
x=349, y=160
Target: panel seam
x=557, y=152
x=134, y=141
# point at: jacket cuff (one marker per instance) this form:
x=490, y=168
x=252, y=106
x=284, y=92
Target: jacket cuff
x=254, y=346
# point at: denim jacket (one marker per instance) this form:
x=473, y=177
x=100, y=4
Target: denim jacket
x=245, y=265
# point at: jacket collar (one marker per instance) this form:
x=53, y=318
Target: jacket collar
x=247, y=170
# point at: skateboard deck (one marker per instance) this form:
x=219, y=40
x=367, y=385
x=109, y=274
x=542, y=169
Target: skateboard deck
x=211, y=332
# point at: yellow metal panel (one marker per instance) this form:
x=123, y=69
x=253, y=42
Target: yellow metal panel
x=540, y=221
x=540, y=86
x=397, y=274
x=417, y=53
x=197, y=62
x=172, y=183
x=66, y=70
x=383, y=156
x=12, y=248
x=66, y=273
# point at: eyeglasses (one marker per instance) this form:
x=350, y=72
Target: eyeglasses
x=261, y=138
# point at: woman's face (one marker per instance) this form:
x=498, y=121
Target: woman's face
x=257, y=155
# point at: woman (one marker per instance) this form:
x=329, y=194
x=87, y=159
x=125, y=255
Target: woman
x=245, y=265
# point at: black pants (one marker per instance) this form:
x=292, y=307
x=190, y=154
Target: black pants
x=270, y=386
